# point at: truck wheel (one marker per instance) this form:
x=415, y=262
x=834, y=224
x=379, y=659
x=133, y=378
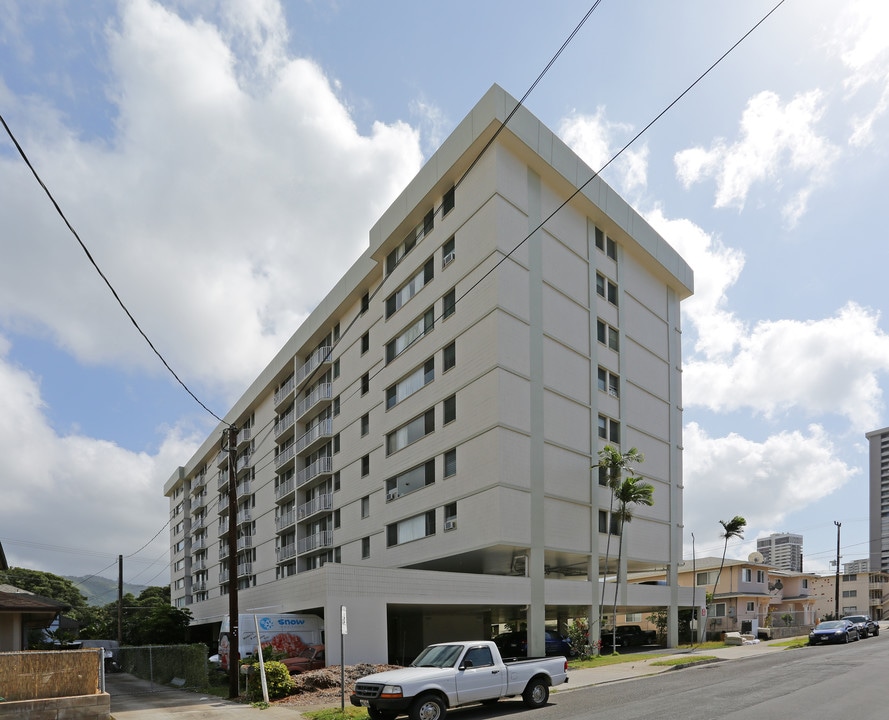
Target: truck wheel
x=428, y=707
x=376, y=714
x=536, y=693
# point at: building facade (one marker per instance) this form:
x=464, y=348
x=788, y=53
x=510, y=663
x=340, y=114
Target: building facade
x=782, y=550
x=421, y=451
x=860, y=593
x=878, y=473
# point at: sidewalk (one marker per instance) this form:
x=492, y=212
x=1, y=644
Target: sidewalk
x=135, y=699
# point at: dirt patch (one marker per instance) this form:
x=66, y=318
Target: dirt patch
x=322, y=687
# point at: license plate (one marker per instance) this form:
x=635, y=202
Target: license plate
x=365, y=703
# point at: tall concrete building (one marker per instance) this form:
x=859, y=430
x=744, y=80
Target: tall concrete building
x=878, y=472
x=782, y=550
x=422, y=450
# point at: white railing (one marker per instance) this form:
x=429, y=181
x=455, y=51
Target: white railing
x=285, y=488
x=284, y=521
x=313, y=542
x=283, y=456
x=322, y=354
x=322, y=429
x=321, y=466
x=245, y=542
x=284, y=391
x=286, y=552
x=284, y=423
x=322, y=502
x=323, y=392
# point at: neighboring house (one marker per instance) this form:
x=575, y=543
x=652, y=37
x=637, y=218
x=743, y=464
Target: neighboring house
x=750, y=594
x=860, y=593
x=421, y=451
x=21, y=612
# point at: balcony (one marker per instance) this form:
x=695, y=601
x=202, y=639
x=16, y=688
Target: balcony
x=319, y=433
x=222, y=458
x=222, y=479
x=198, y=483
x=284, y=393
x=317, y=358
x=285, y=521
x=315, y=542
x=284, y=427
x=245, y=541
x=198, y=502
x=244, y=516
x=318, y=504
x=242, y=464
x=244, y=488
x=284, y=491
x=199, y=543
x=244, y=435
x=284, y=459
x=322, y=466
x=245, y=569
x=319, y=397
x=223, y=552
x=223, y=577
x=198, y=587
x=198, y=523
x=198, y=566
x=286, y=553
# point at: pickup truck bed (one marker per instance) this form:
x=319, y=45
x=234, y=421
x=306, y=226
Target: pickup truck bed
x=448, y=675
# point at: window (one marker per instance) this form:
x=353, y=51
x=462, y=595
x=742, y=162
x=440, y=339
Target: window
x=600, y=239
x=410, y=334
x=447, y=202
x=365, y=342
x=634, y=617
x=365, y=303
x=705, y=578
x=761, y=577
x=609, y=382
x=609, y=429
x=603, y=522
x=336, y=406
x=365, y=424
x=607, y=335
x=751, y=607
x=336, y=443
x=448, y=251
x=407, y=291
x=365, y=466
x=429, y=222
x=806, y=585
x=413, y=479
x=606, y=244
x=719, y=610
x=449, y=304
x=365, y=548
x=450, y=463
x=409, y=433
x=365, y=506
x=450, y=409
x=336, y=518
x=336, y=368
x=365, y=383
x=850, y=593
x=746, y=575
x=336, y=332
x=606, y=288
x=850, y=578
x=336, y=481
x=407, y=386
x=449, y=357
x=414, y=528
x=603, y=475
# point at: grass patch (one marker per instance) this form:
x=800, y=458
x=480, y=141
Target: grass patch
x=350, y=713
x=792, y=643
x=687, y=660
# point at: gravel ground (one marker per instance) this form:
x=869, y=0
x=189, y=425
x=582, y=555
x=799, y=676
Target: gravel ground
x=321, y=688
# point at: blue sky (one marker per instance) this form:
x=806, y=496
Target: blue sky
x=224, y=161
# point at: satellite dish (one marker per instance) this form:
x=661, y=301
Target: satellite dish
x=755, y=557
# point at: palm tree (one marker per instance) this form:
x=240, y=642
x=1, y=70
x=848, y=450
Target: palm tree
x=734, y=528
x=632, y=491
x=615, y=464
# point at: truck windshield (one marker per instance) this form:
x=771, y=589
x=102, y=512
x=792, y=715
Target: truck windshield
x=439, y=656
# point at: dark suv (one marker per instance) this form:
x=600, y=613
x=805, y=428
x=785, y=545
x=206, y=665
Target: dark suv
x=515, y=644
x=865, y=625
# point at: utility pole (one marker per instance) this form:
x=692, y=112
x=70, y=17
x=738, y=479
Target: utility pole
x=837, y=583
x=231, y=437
x=120, y=600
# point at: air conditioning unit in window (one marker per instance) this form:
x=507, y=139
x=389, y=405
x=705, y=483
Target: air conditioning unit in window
x=450, y=524
x=392, y=494
x=448, y=259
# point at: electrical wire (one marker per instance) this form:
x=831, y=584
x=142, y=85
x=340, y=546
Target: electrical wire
x=99, y=270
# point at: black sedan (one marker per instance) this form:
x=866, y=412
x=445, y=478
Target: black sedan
x=833, y=631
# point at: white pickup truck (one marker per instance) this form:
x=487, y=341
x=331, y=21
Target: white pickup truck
x=447, y=675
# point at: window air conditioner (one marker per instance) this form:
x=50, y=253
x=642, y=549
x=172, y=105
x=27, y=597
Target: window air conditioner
x=450, y=524
x=448, y=259
x=392, y=494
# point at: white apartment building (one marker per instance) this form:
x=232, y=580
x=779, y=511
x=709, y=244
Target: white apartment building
x=878, y=473
x=782, y=550
x=421, y=450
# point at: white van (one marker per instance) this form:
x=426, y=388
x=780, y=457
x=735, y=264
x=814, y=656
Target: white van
x=286, y=632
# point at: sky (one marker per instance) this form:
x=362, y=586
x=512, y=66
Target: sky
x=224, y=161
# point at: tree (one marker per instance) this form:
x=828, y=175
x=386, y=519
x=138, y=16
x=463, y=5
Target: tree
x=632, y=491
x=734, y=528
x=614, y=464
x=46, y=584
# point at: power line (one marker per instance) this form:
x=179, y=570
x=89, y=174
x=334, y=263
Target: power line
x=98, y=269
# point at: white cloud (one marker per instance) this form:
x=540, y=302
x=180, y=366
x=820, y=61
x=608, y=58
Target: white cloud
x=72, y=503
x=775, y=138
x=593, y=138
x=221, y=210
x=822, y=367
x=765, y=482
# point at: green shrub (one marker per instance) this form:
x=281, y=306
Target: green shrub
x=277, y=679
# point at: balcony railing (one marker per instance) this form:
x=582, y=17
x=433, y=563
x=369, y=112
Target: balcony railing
x=284, y=489
x=318, y=504
x=199, y=543
x=322, y=466
x=242, y=463
x=284, y=457
x=286, y=552
x=321, y=355
x=244, y=517
x=245, y=569
x=222, y=458
x=320, y=394
x=284, y=391
x=282, y=522
x=223, y=577
x=284, y=423
x=322, y=430
x=313, y=542
x=198, y=565
x=244, y=488
x=222, y=479
x=245, y=541
x=198, y=586
x=244, y=435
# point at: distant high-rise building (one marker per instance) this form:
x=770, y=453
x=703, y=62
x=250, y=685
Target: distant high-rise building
x=782, y=550
x=879, y=499
x=855, y=567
